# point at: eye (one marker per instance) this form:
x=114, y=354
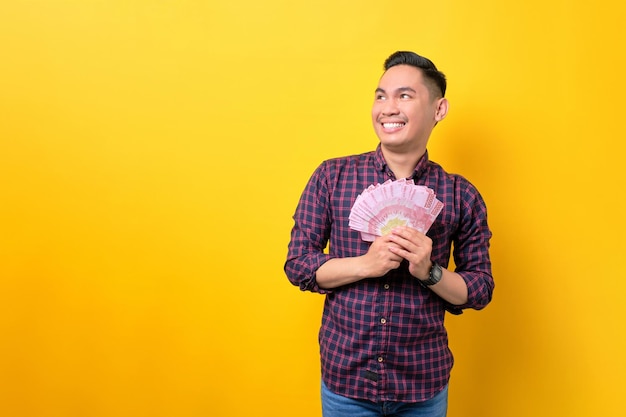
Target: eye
x=405, y=96
x=380, y=97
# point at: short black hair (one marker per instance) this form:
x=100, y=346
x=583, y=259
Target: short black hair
x=432, y=75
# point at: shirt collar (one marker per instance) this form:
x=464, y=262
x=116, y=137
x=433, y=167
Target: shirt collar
x=381, y=165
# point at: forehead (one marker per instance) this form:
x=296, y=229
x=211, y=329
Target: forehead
x=401, y=76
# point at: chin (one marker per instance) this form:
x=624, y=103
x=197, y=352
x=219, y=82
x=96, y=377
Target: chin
x=400, y=145
x=392, y=140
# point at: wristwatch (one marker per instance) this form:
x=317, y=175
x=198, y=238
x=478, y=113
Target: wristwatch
x=434, y=276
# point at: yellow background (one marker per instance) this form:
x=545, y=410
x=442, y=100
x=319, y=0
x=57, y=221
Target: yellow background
x=152, y=153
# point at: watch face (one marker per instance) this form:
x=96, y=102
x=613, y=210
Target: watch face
x=436, y=272
x=434, y=276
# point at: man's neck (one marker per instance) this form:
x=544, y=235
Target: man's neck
x=402, y=164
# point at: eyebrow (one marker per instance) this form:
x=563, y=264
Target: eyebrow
x=398, y=90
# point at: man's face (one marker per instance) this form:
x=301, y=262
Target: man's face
x=404, y=113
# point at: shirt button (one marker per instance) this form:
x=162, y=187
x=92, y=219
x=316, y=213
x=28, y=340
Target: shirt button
x=386, y=286
x=383, y=320
x=380, y=359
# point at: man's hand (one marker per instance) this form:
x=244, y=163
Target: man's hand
x=376, y=262
x=387, y=253
x=381, y=257
x=415, y=247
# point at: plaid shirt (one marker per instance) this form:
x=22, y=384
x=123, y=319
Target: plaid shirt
x=384, y=339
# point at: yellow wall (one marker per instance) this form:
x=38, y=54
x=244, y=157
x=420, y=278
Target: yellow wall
x=152, y=153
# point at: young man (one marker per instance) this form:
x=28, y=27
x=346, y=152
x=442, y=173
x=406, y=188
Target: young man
x=384, y=348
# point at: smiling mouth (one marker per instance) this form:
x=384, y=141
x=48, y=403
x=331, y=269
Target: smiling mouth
x=394, y=125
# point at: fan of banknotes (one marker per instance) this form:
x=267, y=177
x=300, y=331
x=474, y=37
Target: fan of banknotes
x=382, y=207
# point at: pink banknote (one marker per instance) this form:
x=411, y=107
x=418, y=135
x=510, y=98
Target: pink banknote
x=382, y=207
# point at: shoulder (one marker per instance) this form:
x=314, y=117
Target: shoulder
x=453, y=186
x=335, y=166
x=342, y=161
x=456, y=179
x=333, y=170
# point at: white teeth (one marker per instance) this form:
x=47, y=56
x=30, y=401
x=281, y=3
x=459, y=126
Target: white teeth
x=392, y=125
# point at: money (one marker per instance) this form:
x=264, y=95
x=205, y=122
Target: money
x=382, y=207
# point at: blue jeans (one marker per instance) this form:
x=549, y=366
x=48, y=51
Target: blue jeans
x=334, y=405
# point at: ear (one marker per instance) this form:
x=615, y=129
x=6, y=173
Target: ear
x=441, y=109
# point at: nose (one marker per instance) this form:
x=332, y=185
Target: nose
x=389, y=108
